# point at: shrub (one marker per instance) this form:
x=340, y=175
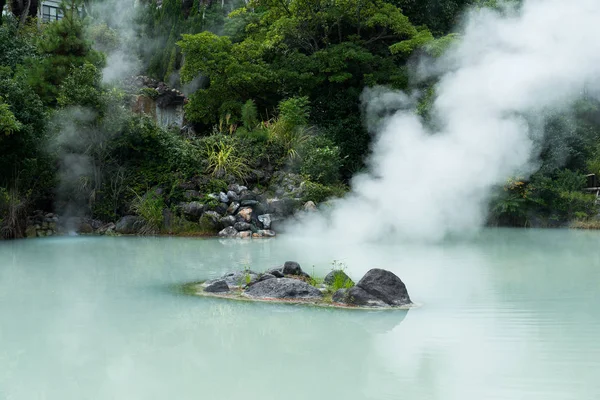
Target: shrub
x=150, y=208
x=290, y=127
x=223, y=160
x=321, y=161
x=318, y=193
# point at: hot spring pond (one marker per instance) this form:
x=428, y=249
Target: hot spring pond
x=511, y=314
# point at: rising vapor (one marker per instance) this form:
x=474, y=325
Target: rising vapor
x=510, y=69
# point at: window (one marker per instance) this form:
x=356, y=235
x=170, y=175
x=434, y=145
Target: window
x=50, y=13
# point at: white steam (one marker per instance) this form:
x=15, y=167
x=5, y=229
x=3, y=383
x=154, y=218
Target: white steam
x=120, y=15
x=506, y=73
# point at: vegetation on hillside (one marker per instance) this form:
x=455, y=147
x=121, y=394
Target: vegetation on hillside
x=273, y=85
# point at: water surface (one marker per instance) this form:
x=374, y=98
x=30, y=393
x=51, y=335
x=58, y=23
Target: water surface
x=512, y=314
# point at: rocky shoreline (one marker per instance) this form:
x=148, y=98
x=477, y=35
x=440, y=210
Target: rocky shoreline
x=377, y=289
x=235, y=212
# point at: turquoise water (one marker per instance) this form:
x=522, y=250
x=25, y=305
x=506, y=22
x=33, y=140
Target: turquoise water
x=511, y=314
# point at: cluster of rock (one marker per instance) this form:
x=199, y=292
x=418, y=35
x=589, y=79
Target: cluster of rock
x=378, y=288
x=41, y=224
x=236, y=212
x=240, y=212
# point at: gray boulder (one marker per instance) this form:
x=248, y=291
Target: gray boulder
x=193, y=209
x=217, y=287
x=129, y=224
x=230, y=231
x=283, y=207
x=106, y=228
x=233, y=196
x=276, y=272
x=233, y=207
x=237, y=278
x=229, y=220
x=265, y=220
x=210, y=220
x=242, y=226
x=337, y=274
x=266, y=233
x=235, y=188
x=223, y=198
x=265, y=276
x=385, y=286
x=247, y=195
x=339, y=296
x=283, y=288
x=249, y=203
x=292, y=268
x=359, y=297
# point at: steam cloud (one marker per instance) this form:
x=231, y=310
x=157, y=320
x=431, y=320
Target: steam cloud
x=121, y=16
x=510, y=70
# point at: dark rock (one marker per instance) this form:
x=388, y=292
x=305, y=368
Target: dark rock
x=233, y=196
x=276, y=272
x=265, y=276
x=357, y=296
x=283, y=288
x=223, y=198
x=283, y=207
x=341, y=275
x=233, y=207
x=129, y=224
x=265, y=220
x=106, y=228
x=234, y=187
x=238, y=278
x=266, y=233
x=249, y=203
x=227, y=221
x=247, y=195
x=84, y=228
x=210, y=220
x=230, y=231
x=292, y=268
x=221, y=208
x=242, y=226
x=385, y=286
x=339, y=296
x=217, y=287
x=192, y=209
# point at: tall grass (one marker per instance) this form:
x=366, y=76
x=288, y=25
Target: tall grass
x=150, y=208
x=223, y=160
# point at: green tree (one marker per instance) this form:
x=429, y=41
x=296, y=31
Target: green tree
x=64, y=47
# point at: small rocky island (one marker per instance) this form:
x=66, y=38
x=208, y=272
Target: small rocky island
x=378, y=288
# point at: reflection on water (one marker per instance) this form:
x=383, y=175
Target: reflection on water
x=509, y=315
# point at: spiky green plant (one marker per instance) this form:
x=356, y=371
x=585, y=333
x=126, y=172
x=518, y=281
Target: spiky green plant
x=223, y=161
x=150, y=208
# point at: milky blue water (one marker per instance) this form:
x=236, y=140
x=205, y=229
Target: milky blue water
x=510, y=314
